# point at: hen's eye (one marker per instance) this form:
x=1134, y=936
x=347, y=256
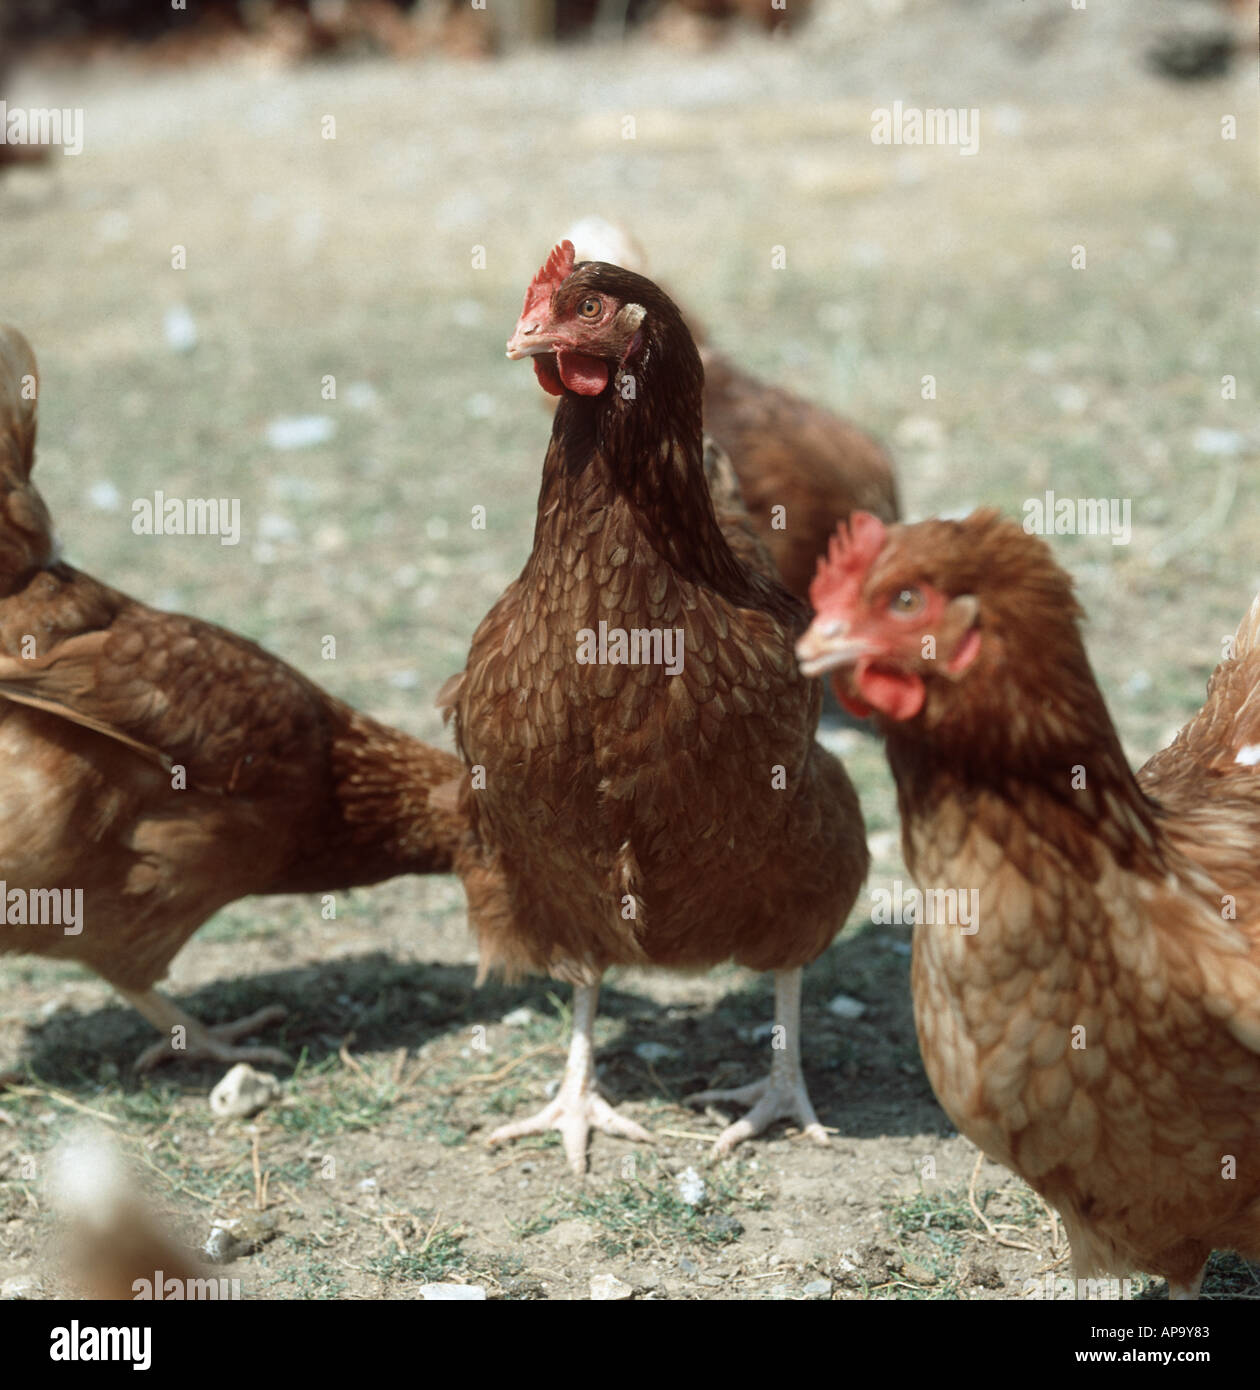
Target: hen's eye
x=906, y=602
x=591, y=308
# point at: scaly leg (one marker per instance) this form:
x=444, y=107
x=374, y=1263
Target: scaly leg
x=201, y=1043
x=578, y=1106
x=782, y=1094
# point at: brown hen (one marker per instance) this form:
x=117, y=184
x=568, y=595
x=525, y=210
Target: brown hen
x=651, y=812
x=1097, y=1029
x=166, y=767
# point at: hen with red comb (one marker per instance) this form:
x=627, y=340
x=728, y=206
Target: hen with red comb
x=1092, y=1020
x=643, y=770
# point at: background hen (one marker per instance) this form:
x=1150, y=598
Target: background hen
x=1098, y=1029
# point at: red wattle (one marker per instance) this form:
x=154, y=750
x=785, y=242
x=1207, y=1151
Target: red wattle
x=548, y=377
x=586, y=375
x=898, y=694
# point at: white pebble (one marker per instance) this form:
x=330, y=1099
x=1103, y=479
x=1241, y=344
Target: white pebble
x=180, y=329
x=300, y=431
x=691, y=1187
x=607, y=1288
x=243, y=1091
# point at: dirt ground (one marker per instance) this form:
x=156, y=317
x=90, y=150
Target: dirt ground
x=355, y=257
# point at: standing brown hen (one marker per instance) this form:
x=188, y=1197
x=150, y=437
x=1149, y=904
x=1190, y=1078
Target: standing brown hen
x=166, y=767
x=658, y=800
x=802, y=469
x=1096, y=1025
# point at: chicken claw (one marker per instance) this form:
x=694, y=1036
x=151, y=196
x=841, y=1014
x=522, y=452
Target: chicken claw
x=215, y=1043
x=578, y=1106
x=780, y=1096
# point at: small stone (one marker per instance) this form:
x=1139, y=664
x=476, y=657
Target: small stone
x=794, y=1249
x=518, y=1018
x=1218, y=443
x=607, y=1288
x=691, y=1187
x=300, y=431
x=179, y=328
x=653, y=1052
x=220, y=1247
x=452, y=1293
x=844, y=1006
x=688, y=1266
x=368, y=1185
x=104, y=496
x=20, y=1287
x=232, y=1237
x=243, y=1092
x=817, y=1288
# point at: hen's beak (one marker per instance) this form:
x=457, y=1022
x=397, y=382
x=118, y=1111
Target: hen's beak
x=826, y=645
x=529, y=340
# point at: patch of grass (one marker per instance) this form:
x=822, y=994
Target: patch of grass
x=334, y=1099
x=439, y=1255
x=646, y=1211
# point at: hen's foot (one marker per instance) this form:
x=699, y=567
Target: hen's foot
x=187, y=1039
x=774, y=1097
x=782, y=1094
x=578, y=1107
x=575, y=1111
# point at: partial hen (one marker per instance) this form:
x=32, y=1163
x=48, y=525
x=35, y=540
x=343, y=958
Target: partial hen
x=1097, y=1029
x=167, y=767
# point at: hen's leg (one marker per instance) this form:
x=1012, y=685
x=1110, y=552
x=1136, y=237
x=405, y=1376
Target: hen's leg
x=199, y=1042
x=782, y=1094
x=578, y=1106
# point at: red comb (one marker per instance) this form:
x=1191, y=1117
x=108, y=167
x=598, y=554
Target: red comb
x=555, y=270
x=851, y=554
